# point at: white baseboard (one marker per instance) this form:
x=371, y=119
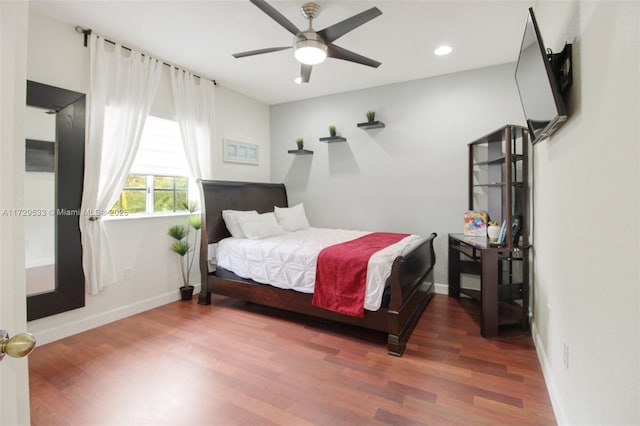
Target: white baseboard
x=69, y=329
x=548, y=376
x=442, y=288
x=34, y=263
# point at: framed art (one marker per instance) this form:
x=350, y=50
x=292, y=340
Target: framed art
x=241, y=152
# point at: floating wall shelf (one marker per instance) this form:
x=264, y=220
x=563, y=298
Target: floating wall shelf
x=333, y=139
x=371, y=125
x=300, y=152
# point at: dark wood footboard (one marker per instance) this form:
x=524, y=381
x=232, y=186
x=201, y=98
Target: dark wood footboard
x=410, y=284
x=412, y=287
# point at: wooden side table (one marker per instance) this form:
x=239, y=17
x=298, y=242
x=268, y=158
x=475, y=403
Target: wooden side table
x=504, y=280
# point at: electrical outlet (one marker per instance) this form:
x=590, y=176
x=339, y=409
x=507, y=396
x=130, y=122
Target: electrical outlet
x=565, y=355
x=127, y=273
x=548, y=312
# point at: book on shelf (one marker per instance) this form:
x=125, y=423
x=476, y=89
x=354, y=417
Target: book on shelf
x=475, y=223
x=503, y=232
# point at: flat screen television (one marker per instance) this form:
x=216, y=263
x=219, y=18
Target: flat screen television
x=541, y=78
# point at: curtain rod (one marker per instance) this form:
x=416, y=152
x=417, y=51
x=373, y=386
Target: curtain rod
x=87, y=32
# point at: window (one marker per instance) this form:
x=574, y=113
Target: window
x=158, y=181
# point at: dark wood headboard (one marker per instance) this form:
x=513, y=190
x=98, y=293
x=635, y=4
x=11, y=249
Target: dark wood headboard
x=222, y=195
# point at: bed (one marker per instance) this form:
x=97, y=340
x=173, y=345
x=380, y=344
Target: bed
x=407, y=291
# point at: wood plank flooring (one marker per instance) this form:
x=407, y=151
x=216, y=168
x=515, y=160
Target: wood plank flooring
x=240, y=364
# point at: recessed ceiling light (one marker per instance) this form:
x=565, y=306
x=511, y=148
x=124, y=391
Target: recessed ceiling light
x=443, y=50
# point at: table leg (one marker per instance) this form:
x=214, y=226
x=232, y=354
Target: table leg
x=454, y=269
x=489, y=295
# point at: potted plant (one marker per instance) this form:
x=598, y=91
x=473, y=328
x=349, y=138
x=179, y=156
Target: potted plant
x=184, y=246
x=332, y=131
x=300, y=143
x=371, y=116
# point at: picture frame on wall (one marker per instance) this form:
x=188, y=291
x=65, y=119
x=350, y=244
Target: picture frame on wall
x=241, y=152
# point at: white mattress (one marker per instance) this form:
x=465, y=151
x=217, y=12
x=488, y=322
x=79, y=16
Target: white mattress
x=289, y=260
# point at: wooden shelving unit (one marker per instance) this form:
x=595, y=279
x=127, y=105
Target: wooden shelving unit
x=498, y=183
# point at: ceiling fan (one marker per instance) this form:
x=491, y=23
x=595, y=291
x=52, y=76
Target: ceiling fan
x=311, y=47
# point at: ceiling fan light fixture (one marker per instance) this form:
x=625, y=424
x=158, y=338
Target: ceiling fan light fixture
x=310, y=52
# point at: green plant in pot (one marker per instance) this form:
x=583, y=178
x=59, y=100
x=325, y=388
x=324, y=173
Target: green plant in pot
x=332, y=131
x=184, y=245
x=371, y=116
x=300, y=143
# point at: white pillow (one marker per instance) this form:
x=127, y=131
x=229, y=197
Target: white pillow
x=232, y=219
x=292, y=218
x=260, y=226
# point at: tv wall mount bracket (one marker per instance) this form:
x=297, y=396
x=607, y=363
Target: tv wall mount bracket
x=561, y=66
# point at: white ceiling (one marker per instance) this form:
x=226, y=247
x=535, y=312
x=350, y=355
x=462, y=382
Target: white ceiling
x=202, y=35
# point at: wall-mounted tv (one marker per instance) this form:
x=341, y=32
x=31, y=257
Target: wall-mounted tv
x=542, y=77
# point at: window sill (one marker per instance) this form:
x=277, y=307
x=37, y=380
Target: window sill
x=138, y=216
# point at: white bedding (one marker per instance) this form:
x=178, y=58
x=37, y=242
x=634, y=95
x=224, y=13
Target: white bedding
x=289, y=260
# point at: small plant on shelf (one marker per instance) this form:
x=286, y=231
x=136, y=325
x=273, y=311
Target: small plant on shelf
x=371, y=116
x=300, y=143
x=332, y=131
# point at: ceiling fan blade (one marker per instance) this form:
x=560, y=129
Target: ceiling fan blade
x=305, y=73
x=336, y=31
x=260, y=51
x=276, y=16
x=337, y=52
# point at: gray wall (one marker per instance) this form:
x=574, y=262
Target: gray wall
x=408, y=177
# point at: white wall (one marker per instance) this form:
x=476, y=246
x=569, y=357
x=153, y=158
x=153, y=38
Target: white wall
x=56, y=56
x=410, y=176
x=586, y=233
x=242, y=119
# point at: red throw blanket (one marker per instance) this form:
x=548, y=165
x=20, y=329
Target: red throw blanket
x=341, y=272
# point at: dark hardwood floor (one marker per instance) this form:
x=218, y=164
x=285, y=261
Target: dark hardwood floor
x=237, y=364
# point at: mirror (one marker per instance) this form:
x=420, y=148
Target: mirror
x=59, y=166
x=39, y=200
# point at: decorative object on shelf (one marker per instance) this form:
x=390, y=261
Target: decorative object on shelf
x=300, y=143
x=371, y=116
x=516, y=227
x=493, y=231
x=332, y=131
x=184, y=246
x=475, y=223
x=503, y=232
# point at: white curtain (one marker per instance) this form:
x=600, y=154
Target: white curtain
x=123, y=85
x=194, y=100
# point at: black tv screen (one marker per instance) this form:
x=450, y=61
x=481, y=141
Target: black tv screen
x=542, y=102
